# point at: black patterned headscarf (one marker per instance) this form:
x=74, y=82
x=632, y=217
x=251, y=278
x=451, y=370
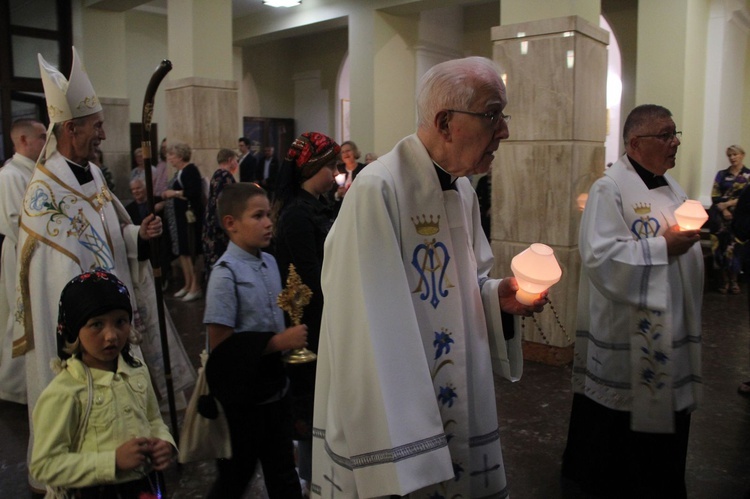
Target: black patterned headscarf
x=310, y=152
x=85, y=296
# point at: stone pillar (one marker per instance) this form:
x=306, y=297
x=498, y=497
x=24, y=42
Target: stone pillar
x=555, y=71
x=102, y=52
x=201, y=93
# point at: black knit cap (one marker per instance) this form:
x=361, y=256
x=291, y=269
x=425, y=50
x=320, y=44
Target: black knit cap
x=86, y=296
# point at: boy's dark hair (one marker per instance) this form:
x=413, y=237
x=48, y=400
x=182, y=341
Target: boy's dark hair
x=233, y=199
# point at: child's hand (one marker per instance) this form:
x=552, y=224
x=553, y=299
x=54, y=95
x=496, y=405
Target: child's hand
x=294, y=337
x=132, y=453
x=288, y=339
x=161, y=453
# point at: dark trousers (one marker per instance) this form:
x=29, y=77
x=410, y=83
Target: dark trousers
x=151, y=484
x=258, y=432
x=607, y=459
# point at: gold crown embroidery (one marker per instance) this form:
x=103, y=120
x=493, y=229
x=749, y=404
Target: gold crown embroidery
x=426, y=228
x=89, y=102
x=642, y=208
x=54, y=111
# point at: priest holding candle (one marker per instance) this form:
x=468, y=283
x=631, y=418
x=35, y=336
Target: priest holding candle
x=404, y=398
x=637, y=364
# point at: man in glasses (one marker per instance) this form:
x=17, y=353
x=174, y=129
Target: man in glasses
x=636, y=374
x=405, y=398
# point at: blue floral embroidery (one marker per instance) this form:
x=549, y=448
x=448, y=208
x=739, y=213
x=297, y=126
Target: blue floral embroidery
x=39, y=200
x=644, y=325
x=457, y=470
x=446, y=395
x=661, y=357
x=653, y=359
x=442, y=341
x=43, y=203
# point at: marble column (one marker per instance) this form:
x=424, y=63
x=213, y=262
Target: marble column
x=201, y=92
x=105, y=36
x=555, y=71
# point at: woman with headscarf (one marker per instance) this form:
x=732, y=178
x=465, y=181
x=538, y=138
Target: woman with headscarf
x=303, y=219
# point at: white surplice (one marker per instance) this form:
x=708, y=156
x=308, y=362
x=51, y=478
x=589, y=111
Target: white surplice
x=405, y=400
x=639, y=310
x=67, y=229
x=14, y=177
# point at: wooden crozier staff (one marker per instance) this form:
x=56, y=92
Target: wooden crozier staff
x=155, y=242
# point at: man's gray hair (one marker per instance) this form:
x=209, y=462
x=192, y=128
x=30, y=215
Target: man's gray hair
x=452, y=85
x=642, y=116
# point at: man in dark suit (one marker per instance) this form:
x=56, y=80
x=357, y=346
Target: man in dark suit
x=267, y=169
x=248, y=163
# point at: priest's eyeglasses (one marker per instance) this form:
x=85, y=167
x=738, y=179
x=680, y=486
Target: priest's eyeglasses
x=495, y=117
x=664, y=137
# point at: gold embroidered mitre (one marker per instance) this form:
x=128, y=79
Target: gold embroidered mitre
x=68, y=98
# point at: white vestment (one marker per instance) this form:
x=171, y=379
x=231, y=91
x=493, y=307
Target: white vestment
x=639, y=310
x=67, y=229
x=404, y=399
x=14, y=177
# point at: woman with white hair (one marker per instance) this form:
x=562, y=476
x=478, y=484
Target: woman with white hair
x=185, y=216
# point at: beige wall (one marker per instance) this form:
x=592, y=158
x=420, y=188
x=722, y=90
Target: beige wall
x=478, y=21
x=745, y=142
x=690, y=164
x=264, y=69
x=519, y=11
x=394, y=81
x=622, y=16
x=146, y=39
x=267, y=87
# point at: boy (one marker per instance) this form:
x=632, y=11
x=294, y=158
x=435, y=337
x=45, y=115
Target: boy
x=246, y=336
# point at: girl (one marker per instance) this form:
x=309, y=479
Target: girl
x=97, y=426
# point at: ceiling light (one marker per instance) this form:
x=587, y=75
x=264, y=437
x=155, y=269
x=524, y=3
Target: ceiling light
x=282, y=3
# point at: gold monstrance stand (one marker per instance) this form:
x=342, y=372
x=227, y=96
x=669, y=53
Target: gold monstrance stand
x=292, y=301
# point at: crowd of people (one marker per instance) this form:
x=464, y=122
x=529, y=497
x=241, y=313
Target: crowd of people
x=407, y=336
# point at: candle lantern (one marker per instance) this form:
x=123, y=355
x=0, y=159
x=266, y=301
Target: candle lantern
x=535, y=269
x=691, y=215
x=340, y=179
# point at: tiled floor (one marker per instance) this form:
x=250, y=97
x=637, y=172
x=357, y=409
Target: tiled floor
x=533, y=418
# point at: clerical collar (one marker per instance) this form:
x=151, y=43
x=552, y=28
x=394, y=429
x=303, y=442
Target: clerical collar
x=82, y=173
x=447, y=181
x=651, y=180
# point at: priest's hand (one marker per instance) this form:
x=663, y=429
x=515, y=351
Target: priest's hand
x=150, y=227
x=680, y=241
x=506, y=292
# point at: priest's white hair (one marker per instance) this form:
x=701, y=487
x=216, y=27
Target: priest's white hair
x=452, y=85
